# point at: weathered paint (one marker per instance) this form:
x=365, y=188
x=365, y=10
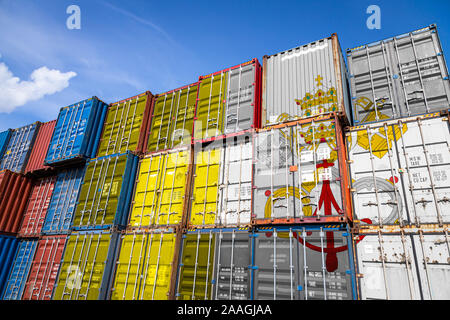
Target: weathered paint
x=399, y=77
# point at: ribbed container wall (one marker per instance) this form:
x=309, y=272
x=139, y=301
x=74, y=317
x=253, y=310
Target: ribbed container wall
x=44, y=268
x=35, y=163
x=4, y=139
x=301, y=174
x=86, y=266
x=400, y=171
x=19, y=148
x=399, y=77
x=221, y=192
x=126, y=125
x=403, y=263
x=14, y=192
x=77, y=132
x=19, y=270
x=147, y=265
x=63, y=203
x=8, y=249
x=172, y=118
x=304, y=82
x=106, y=192
x=37, y=206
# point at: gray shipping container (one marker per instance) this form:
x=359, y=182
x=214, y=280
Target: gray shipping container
x=304, y=82
x=403, y=264
x=399, y=77
x=400, y=171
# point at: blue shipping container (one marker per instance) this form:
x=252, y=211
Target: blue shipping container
x=63, y=201
x=19, y=271
x=77, y=132
x=4, y=139
x=106, y=192
x=19, y=148
x=8, y=247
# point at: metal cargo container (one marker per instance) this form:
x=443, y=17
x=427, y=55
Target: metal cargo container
x=62, y=205
x=44, y=268
x=8, y=248
x=14, y=192
x=399, y=77
x=4, y=139
x=303, y=263
x=86, y=267
x=36, y=161
x=147, y=265
x=19, y=148
x=19, y=270
x=126, y=125
x=106, y=191
x=172, y=118
x=409, y=263
x=306, y=81
x=77, y=132
x=159, y=194
x=310, y=151
x=37, y=207
x=400, y=171
x=215, y=264
x=229, y=101
x=222, y=183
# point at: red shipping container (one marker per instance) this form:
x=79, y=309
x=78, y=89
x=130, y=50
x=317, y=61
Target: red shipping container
x=44, y=268
x=37, y=206
x=40, y=147
x=14, y=191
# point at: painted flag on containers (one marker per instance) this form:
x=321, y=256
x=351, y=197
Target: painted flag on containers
x=77, y=132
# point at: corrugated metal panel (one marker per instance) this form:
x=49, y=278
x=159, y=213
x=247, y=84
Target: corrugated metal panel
x=77, y=132
x=85, y=272
x=399, y=77
x=4, y=139
x=126, y=125
x=37, y=207
x=36, y=161
x=222, y=183
x=310, y=151
x=145, y=266
x=8, y=248
x=400, y=171
x=159, y=196
x=63, y=202
x=172, y=118
x=302, y=263
x=304, y=82
x=19, y=270
x=14, y=192
x=19, y=148
x=44, y=268
x=105, y=194
x=414, y=264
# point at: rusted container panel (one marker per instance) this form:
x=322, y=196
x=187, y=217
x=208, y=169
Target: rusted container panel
x=301, y=174
x=37, y=207
x=403, y=263
x=399, y=77
x=126, y=125
x=14, y=192
x=400, y=171
x=44, y=268
x=36, y=161
x=172, y=118
x=222, y=183
x=304, y=82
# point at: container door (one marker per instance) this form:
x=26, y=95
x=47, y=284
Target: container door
x=19, y=147
x=181, y=126
x=160, y=134
x=196, y=267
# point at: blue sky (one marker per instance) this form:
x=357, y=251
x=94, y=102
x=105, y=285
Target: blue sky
x=127, y=47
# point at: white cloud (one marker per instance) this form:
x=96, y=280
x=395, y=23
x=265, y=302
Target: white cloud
x=43, y=81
